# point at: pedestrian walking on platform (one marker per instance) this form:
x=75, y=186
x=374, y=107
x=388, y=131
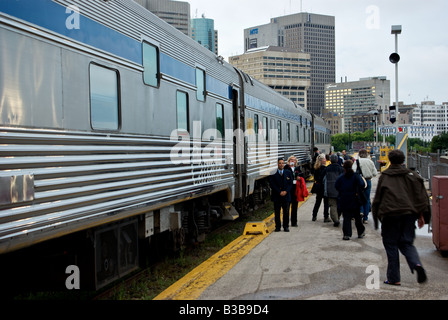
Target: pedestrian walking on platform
x=400, y=200
x=365, y=167
x=318, y=188
x=281, y=183
x=348, y=186
x=332, y=173
x=296, y=174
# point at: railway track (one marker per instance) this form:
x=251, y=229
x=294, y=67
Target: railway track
x=146, y=284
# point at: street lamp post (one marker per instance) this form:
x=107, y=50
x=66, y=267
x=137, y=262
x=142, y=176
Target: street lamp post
x=401, y=139
x=395, y=58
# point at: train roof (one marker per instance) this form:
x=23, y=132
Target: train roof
x=130, y=24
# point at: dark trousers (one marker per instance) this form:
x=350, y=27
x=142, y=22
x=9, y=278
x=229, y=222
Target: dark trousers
x=319, y=197
x=398, y=234
x=347, y=224
x=278, y=205
x=294, y=205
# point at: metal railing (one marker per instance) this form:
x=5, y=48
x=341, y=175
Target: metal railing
x=428, y=165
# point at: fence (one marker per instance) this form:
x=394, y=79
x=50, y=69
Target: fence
x=428, y=165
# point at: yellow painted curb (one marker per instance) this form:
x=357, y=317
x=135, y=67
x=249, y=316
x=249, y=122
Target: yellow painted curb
x=191, y=286
x=194, y=283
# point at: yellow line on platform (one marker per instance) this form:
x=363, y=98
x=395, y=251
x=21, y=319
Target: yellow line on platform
x=191, y=286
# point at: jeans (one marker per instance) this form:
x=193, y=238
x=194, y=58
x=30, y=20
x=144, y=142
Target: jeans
x=398, y=234
x=365, y=209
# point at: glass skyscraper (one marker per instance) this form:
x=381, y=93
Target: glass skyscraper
x=203, y=31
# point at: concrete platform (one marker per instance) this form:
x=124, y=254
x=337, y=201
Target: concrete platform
x=313, y=262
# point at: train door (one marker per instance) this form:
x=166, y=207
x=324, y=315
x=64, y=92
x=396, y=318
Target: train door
x=313, y=141
x=238, y=146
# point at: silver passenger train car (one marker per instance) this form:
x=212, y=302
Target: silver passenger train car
x=116, y=128
x=322, y=135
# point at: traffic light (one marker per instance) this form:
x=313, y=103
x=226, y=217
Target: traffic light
x=394, y=58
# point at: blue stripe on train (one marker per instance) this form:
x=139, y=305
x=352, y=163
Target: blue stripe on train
x=56, y=17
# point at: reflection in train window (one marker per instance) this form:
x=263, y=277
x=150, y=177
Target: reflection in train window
x=150, y=65
x=220, y=119
x=200, y=83
x=182, y=111
x=104, y=98
x=279, y=130
x=256, y=124
x=265, y=129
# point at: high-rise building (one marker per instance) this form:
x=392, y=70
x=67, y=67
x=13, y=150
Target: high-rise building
x=203, y=31
x=306, y=32
x=428, y=114
x=176, y=13
x=357, y=97
x=283, y=69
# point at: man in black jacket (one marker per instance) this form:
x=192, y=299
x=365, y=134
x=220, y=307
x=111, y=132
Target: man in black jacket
x=400, y=200
x=332, y=173
x=281, y=183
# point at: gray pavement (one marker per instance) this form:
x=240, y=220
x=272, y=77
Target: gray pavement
x=313, y=262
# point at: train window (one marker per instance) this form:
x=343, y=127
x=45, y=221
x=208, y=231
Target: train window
x=279, y=130
x=256, y=124
x=288, y=132
x=200, y=84
x=220, y=119
x=297, y=134
x=182, y=111
x=150, y=65
x=265, y=128
x=104, y=98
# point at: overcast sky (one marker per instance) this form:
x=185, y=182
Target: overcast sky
x=363, y=37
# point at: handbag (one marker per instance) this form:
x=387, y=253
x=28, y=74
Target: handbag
x=359, y=171
x=360, y=195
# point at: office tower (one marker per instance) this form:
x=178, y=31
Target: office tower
x=203, y=31
x=285, y=70
x=306, y=32
x=357, y=98
x=431, y=119
x=176, y=13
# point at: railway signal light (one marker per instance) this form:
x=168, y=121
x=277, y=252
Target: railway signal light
x=394, y=58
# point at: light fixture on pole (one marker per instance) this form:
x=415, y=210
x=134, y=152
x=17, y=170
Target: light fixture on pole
x=401, y=138
x=395, y=58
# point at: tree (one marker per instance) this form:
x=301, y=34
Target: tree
x=340, y=141
x=439, y=142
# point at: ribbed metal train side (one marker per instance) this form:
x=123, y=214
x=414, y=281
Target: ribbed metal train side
x=276, y=128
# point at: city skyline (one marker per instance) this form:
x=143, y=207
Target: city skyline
x=363, y=38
